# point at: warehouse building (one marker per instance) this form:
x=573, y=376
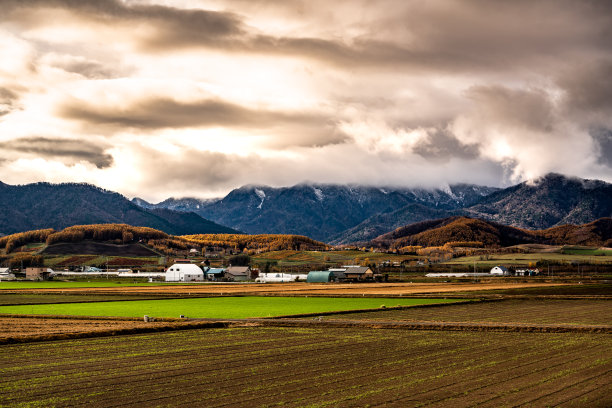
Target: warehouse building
x=181, y=272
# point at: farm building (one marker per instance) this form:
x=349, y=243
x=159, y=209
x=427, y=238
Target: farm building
x=39, y=273
x=338, y=273
x=5, y=274
x=180, y=272
x=320, y=276
x=499, y=270
x=276, y=277
x=215, y=274
x=358, y=273
x=238, y=273
x=527, y=272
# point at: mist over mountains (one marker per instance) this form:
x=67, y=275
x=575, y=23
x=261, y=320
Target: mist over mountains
x=342, y=214
x=336, y=214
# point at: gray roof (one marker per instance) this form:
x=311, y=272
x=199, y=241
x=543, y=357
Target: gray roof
x=357, y=270
x=238, y=270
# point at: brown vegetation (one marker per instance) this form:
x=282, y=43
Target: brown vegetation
x=261, y=242
x=470, y=232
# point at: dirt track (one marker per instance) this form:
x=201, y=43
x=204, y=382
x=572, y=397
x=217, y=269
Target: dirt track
x=361, y=289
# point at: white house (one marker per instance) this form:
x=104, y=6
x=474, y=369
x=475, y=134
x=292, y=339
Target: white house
x=499, y=270
x=184, y=273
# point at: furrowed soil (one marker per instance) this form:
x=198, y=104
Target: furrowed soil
x=523, y=311
x=25, y=327
x=316, y=367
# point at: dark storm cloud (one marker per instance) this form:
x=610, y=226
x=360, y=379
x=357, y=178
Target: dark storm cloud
x=589, y=88
x=89, y=69
x=69, y=150
x=441, y=145
x=531, y=108
x=603, y=137
x=171, y=26
x=476, y=35
x=157, y=113
x=8, y=101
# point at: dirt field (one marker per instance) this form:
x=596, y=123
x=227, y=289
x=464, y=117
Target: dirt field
x=311, y=367
x=44, y=298
x=27, y=327
x=580, y=312
x=300, y=288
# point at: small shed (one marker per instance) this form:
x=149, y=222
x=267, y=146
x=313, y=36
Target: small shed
x=215, y=274
x=499, y=270
x=320, y=276
x=184, y=273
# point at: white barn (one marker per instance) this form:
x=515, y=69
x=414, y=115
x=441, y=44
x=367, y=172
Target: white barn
x=499, y=270
x=184, y=273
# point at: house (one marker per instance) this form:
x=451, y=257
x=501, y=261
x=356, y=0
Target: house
x=338, y=273
x=180, y=272
x=238, y=273
x=358, y=273
x=39, y=273
x=215, y=274
x=500, y=270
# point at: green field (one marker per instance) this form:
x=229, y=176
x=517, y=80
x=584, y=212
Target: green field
x=221, y=307
x=586, y=251
x=65, y=285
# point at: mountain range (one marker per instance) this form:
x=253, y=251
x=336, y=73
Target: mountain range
x=336, y=214
x=341, y=214
x=323, y=212
x=44, y=205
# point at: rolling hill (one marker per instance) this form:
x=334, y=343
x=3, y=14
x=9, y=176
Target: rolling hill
x=44, y=205
x=491, y=234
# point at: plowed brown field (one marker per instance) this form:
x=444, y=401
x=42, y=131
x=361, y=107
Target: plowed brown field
x=549, y=311
x=311, y=367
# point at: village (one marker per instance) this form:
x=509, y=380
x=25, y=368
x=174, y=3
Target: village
x=184, y=270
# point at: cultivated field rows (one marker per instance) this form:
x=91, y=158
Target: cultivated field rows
x=549, y=311
x=311, y=367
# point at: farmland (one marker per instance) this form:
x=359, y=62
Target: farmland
x=38, y=298
x=589, y=312
x=219, y=307
x=531, y=258
x=310, y=367
x=273, y=289
x=289, y=258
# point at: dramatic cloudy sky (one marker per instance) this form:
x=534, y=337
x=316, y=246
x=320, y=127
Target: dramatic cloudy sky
x=158, y=98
